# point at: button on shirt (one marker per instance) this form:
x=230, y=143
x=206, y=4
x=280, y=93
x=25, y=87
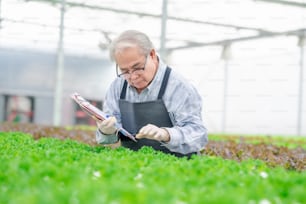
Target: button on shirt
x=182, y=101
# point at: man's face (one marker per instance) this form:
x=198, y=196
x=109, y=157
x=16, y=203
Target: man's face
x=139, y=69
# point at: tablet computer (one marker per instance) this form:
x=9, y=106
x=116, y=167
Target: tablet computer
x=97, y=114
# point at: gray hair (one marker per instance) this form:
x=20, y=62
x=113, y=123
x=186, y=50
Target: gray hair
x=130, y=38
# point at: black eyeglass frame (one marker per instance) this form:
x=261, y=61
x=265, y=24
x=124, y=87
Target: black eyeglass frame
x=129, y=73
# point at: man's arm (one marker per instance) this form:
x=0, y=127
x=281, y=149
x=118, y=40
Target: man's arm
x=189, y=133
x=106, y=139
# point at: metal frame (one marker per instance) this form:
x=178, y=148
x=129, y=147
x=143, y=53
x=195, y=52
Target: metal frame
x=60, y=69
x=190, y=44
x=288, y=3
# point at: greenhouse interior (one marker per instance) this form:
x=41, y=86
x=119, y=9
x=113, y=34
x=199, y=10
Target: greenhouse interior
x=246, y=60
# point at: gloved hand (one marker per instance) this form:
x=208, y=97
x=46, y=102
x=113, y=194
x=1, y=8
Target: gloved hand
x=107, y=126
x=153, y=132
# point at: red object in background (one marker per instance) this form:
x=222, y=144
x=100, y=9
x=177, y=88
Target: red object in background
x=19, y=108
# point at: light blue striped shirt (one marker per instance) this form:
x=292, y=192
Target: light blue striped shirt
x=182, y=101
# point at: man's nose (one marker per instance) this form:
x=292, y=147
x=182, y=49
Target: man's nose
x=133, y=76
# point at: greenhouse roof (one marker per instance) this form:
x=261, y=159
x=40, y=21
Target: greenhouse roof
x=91, y=24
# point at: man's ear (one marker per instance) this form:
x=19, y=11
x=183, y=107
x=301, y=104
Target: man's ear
x=152, y=53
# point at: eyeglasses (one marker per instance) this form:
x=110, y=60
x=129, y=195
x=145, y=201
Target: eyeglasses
x=128, y=74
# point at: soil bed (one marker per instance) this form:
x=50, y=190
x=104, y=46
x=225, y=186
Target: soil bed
x=228, y=148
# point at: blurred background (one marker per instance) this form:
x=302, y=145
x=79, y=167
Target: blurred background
x=246, y=57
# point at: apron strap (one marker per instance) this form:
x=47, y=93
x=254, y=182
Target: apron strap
x=164, y=83
x=162, y=88
x=123, y=91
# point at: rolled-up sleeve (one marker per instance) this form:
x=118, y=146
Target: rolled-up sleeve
x=106, y=139
x=110, y=107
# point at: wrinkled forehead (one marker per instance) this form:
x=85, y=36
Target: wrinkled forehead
x=128, y=57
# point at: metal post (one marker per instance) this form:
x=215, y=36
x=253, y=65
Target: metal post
x=0, y=13
x=225, y=95
x=59, y=69
x=301, y=82
x=226, y=55
x=163, y=29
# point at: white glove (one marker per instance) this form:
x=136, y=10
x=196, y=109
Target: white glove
x=154, y=133
x=107, y=126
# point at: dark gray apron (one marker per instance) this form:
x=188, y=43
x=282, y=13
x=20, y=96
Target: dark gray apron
x=136, y=115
